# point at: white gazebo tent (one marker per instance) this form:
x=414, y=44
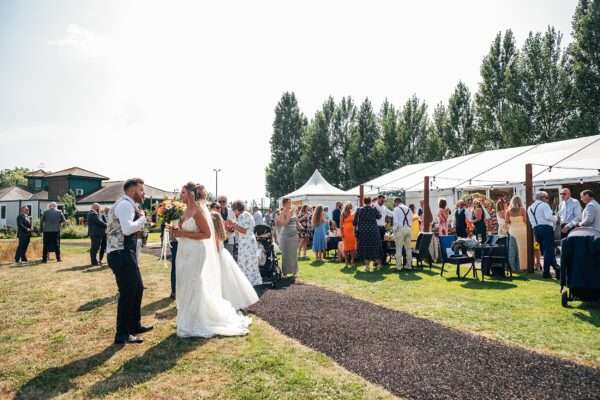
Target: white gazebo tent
x=317, y=191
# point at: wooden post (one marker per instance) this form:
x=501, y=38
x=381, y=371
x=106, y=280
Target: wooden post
x=528, y=202
x=427, y=217
x=361, y=193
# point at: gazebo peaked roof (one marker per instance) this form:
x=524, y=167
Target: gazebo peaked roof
x=317, y=186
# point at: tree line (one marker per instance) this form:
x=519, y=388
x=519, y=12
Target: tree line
x=541, y=92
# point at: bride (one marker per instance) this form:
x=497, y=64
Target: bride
x=201, y=309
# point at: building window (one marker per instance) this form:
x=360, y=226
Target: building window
x=2, y=212
x=37, y=184
x=79, y=192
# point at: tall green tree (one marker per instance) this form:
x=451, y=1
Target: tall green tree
x=286, y=142
x=342, y=126
x=584, y=55
x=545, y=86
x=70, y=204
x=501, y=118
x=414, y=123
x=316, y=151
x=13, y=176
x=461, y=137
x=392, y=145
x=435, y=147
x=363, y=155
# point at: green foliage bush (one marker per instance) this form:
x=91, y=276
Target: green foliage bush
x=72, y=231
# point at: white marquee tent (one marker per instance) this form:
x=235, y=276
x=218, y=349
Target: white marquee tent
x=317, y=191
x=554, y=164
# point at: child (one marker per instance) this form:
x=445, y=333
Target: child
x=235, y=286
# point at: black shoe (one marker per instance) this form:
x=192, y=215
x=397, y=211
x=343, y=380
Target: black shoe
x=95, y=264
x=129, y=339
x=172, y=296
x=142, y=329
x=24, y=260
x=45, y=261
x=546, y=275
x=59, y=260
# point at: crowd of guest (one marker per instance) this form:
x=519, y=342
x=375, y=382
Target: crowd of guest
x=365, y=234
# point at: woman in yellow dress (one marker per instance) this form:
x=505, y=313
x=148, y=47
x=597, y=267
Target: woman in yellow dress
x=415, y=227
x=515, y=219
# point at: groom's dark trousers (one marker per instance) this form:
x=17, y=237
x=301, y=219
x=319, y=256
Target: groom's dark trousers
x=124, y=265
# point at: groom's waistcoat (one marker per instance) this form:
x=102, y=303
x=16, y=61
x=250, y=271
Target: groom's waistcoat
x=115, y=239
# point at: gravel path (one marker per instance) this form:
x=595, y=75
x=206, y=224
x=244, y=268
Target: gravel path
x=418, y=359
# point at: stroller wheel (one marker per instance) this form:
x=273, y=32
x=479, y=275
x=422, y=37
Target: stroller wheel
x=564, y=298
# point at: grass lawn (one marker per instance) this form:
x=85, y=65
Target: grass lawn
x=525, y=311
x=57, y=327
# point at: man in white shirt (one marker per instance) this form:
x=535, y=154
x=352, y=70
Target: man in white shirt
x=384, y=212
x=258, y=217
x=569, y=211
x=125, y=221
x=402, y=233
x=542, y=221
x=591, y=213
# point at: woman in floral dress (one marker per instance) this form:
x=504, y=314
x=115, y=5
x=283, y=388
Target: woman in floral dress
x=247, y=246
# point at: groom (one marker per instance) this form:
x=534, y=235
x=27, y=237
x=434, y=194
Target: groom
x=124, y=221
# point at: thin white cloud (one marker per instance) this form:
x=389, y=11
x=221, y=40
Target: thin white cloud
x=89, y=43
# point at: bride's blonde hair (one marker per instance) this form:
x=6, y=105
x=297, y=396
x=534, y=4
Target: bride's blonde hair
x=219, y=226
x=199, y=191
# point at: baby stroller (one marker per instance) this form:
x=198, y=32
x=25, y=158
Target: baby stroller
x=580, y=268
x=267, y=260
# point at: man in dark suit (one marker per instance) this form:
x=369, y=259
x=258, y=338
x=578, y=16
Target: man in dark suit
x=96, y=232
x=50, y=223
x=24, y=234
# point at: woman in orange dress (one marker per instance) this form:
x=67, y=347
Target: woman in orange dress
x=348, y=236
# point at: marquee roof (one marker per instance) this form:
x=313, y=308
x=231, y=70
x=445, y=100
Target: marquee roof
x=555, y=162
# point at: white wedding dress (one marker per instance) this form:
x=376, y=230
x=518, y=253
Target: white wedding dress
x=201, y=309
x=236, y=287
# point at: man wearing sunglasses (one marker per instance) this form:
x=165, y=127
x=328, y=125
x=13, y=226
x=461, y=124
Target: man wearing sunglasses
x=227, y=215
x=569, y=211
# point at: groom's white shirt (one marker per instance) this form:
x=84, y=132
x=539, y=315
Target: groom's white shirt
x=125, y=212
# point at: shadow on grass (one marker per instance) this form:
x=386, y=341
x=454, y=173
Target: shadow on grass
x=169, y=314
x=374, y=276
x=488, y=285
x=153, y=362
x=90, y=305
x=593, y=308
x=409, y=275
x=153, y=307
x=56, y=381
x=75, y=268
x=25, y=264
x=317, y=263
x=96, y=269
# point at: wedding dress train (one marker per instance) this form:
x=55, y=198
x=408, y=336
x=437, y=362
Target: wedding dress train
x=236, y=287
x=201, y=309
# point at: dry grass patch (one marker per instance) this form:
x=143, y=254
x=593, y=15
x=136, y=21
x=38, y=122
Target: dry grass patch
x=57, y=326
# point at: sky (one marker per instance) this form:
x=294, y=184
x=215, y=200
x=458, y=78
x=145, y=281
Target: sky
x=169, y=91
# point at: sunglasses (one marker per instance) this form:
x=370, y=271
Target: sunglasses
x=222, y=201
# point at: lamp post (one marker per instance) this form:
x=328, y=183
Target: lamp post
x=217, y=170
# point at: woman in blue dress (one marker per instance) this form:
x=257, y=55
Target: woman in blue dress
x=319, y=244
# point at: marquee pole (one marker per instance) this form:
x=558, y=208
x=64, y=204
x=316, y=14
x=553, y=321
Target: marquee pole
x=361, y=193
x=427, y=217
x=528, y=202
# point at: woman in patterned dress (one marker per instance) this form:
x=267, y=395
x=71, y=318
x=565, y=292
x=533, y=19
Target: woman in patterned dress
x=247, y=246
x=369, y=240
x=302, y=222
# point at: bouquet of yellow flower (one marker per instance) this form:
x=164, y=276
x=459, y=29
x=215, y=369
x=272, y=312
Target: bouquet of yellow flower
x=170, y=210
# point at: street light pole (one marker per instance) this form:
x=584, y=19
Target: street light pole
x=217, y=170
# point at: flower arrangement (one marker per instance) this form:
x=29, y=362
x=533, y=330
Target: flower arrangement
x=170, y=210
